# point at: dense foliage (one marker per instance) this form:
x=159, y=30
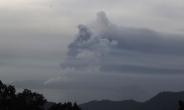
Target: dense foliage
x=65, y=106
x=27, y=100
x=181, y=104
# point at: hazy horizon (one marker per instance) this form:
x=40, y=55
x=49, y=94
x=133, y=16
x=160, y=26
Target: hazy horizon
x=108, y=45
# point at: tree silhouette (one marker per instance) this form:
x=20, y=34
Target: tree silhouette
x=30, y=101
x=21, y=101
x=65, y=106
x=181, y=104
x=7, y=97
x=27, y=100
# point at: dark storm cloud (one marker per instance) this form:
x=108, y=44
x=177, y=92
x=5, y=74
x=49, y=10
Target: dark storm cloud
x=103, y=44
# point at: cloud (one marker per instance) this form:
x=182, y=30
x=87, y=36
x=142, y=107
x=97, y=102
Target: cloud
x=91, y=46
x=87, y=49
x=63, y=77
x=119, y=68
x=59, y=78
x=108, y=47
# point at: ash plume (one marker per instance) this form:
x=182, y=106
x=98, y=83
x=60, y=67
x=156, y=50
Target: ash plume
x=104, y=47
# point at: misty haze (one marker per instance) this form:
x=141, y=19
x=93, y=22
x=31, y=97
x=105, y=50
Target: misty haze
x=94, y=52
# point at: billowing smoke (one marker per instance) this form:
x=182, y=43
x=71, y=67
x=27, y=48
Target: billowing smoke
x=63, y=77
x=103, y=46
x=89, y=46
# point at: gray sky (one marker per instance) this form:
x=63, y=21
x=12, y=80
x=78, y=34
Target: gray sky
x=112, y=42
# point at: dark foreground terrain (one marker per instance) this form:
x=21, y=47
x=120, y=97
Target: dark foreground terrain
x=28, y=100
x=162, y=101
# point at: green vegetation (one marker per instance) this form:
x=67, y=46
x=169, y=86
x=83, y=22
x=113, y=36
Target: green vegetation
x=27, y=100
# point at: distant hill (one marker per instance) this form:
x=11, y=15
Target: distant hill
x=162, y=101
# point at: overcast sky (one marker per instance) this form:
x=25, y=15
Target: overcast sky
x=114, y=42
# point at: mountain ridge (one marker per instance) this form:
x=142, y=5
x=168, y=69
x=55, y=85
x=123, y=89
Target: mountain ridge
x=162, y=101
